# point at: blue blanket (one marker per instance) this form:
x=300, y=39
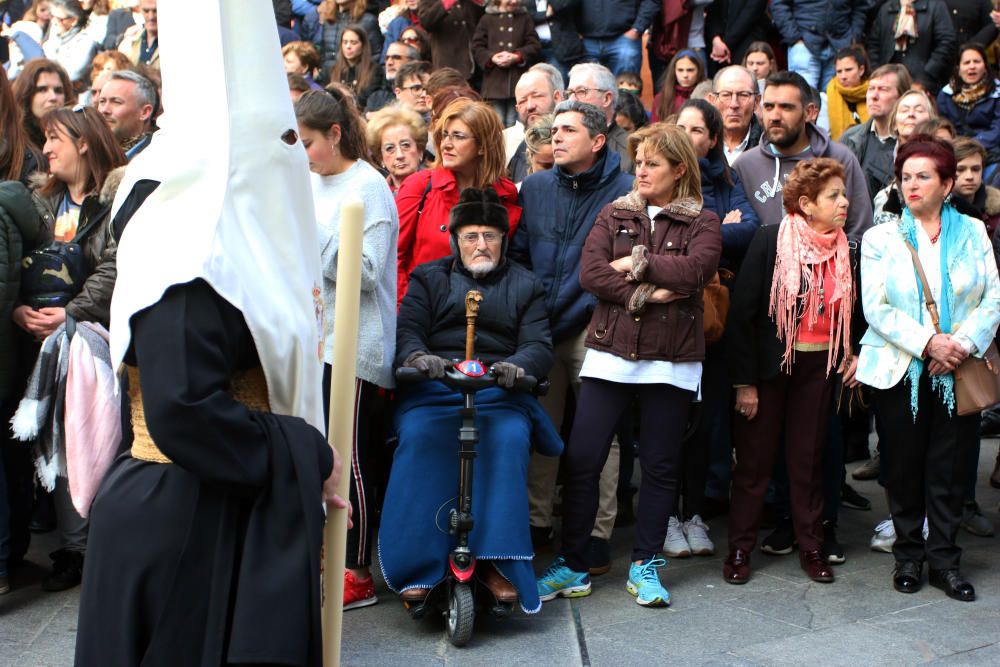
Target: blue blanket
x=414, y=543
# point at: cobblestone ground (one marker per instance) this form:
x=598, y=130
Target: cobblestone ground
x=779, y=618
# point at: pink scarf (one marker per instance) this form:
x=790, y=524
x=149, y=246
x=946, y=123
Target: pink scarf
x=799, y=246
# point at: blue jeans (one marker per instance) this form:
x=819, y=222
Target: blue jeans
x=817, y=70
x=618, y=54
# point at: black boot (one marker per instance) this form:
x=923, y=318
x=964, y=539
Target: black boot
x=67, y=571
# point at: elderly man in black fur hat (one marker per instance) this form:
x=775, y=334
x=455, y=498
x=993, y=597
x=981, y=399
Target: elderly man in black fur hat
x=512, y=336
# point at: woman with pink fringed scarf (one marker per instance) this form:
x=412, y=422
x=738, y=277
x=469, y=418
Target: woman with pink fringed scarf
x=793, y=322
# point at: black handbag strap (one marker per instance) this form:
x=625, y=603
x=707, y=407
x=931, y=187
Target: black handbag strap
x=928, y=297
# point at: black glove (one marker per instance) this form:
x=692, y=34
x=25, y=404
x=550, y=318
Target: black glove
x=431, y=365
x=506, y=373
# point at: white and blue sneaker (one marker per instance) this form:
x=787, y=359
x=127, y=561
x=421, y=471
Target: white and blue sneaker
x=560, y=581
x=644, y=583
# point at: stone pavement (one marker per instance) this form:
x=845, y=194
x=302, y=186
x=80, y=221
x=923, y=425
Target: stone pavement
x=778, y=618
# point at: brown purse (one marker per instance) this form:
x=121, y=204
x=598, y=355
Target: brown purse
x=977, y=380
x=716, y=300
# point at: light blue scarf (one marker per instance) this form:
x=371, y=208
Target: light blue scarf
x=951, y=226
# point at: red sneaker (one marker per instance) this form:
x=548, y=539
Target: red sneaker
x=358, y=592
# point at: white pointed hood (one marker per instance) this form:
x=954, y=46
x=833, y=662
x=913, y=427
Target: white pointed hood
x=234, y=205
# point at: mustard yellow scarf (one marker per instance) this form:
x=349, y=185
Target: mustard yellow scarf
x=839, y=101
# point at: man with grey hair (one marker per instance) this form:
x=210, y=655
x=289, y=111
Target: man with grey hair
x=558, y=208
x=595, y=84
x=735, y=95
x=128, y=103
x=537, y=92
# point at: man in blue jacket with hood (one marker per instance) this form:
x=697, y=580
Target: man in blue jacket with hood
x=559, y=208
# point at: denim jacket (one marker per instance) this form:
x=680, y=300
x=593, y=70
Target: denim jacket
x=896, y=332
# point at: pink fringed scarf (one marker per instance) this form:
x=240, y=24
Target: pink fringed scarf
x=799, y=245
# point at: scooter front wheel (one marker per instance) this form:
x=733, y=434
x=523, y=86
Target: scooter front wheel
x=461, y=614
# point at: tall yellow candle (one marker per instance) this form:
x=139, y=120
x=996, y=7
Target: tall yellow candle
x=341, y=427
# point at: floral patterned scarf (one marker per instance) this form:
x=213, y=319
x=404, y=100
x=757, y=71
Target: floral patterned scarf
x=969, y=96
x=800, y=249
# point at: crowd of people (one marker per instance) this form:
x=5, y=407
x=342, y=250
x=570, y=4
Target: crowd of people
x=789, y=243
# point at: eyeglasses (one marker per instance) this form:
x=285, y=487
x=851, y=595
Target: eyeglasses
x=414, y=88
x=410, y=40
x=472, y=238
x=742, y=95
x=583, y=91
x=457, y=137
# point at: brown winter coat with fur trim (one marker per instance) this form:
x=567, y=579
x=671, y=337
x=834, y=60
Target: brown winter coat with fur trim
x=93, y=303
x=682, y=244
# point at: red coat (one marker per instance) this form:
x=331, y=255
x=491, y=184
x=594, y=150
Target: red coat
x=427, y=238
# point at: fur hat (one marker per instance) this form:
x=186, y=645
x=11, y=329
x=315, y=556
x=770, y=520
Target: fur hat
x=479, y=207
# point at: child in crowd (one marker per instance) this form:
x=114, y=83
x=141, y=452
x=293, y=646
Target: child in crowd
x=760, y=60
x=685, y=71
x=505, y=46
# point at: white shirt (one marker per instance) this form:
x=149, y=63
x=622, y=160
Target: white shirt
x=737, y=150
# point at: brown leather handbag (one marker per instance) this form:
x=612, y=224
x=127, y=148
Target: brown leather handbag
x=977, y=380
x=716, y=299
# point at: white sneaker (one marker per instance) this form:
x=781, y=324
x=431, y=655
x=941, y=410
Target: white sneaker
x=676, y=545
x=884, y=537
x=697, y=537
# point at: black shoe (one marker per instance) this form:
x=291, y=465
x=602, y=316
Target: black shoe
x=67, y=571
x=782, y=541
x=953, y=585
x=541, y=537
x=989, y=424
x=598, y=556
x=831, y=549
x=906, y=577
x=851, y=498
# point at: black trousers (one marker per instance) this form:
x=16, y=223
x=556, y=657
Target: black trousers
x=663, y=414
x=365, y=467
x=927, y=472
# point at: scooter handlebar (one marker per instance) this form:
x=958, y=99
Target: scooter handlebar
x=458, y=380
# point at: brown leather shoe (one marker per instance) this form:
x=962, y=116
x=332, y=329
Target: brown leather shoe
x=815, y=566
x=736, y=569
x=502, y=589
x=414, y=595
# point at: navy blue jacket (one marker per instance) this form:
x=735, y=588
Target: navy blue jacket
x=981, y=122
x=820, y=23
x=558, y=211
x=602, y=19
x=721, y=198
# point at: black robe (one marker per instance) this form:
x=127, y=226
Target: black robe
x=214, y=558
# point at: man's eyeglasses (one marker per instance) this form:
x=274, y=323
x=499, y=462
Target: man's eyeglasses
x=414, y=88
x=726, y=96
x=583, y=91
x=472, y=238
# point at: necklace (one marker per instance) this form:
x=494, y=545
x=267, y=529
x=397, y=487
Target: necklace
x=934, y=239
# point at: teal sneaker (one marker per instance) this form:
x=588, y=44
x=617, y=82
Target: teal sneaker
x=560, y=581
x=644, y=584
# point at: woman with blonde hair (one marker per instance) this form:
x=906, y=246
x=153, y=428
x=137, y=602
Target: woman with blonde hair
x=646, y=260
x=397, y=137
x=911, y=111
x=469, y=141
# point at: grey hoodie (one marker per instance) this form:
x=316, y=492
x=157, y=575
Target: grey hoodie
x=763, y=174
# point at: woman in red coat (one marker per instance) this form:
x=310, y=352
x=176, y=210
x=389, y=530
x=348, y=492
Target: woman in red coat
x=469, y=142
